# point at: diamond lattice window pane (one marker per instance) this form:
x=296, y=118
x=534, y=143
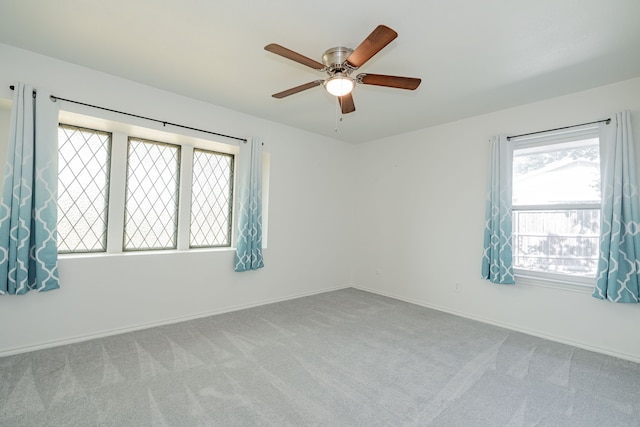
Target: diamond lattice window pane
x=151, y=214
x=83, y=189
x=211, y=199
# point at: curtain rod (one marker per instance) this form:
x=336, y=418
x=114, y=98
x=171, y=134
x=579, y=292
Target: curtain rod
x=164, y=123
x=607, y=121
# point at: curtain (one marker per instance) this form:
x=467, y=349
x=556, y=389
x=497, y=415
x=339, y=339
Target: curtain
x=617, y=275
x=497, y=264
x=249, y=246
x=28, y=211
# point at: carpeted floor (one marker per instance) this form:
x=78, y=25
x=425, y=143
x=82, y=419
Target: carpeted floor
x=343, y=358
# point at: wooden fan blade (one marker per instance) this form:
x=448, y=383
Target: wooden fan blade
x=346, y=103
x=409, y=83
x=294, y=56
x=379, y=38
x=297, y=89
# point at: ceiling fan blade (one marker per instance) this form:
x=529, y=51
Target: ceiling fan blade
x=378, y=39
x=409, y=83
x=346, y=103
x=297, y=89
x=294, y=56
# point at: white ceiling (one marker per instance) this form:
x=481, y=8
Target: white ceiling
x=474, y=56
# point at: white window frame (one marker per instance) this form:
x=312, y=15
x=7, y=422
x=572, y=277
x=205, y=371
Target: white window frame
x=555, y=280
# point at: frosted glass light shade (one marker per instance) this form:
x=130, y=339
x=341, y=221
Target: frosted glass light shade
x=339, y=84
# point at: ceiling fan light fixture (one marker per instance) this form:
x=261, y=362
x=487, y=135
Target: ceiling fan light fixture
x=339, y=84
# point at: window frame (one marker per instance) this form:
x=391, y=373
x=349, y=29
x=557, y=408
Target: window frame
x=555, y=280
x=188, y=141
x=176, y=208
x=231, y=195
x=105, y=233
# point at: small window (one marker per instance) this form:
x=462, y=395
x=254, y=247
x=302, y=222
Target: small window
x=83, y=189
x=556, y=205
x=151, y=211
x=211, y=199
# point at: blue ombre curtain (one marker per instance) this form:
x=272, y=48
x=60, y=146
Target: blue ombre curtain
x=249, y=185
x=617, y=276
x=28, y=211
x=497, y=263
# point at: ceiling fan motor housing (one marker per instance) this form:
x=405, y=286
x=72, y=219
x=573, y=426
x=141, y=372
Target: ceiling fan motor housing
x=335, y=60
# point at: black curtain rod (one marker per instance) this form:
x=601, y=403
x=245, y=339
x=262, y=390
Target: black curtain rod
x=164, y=123
x=607, y=121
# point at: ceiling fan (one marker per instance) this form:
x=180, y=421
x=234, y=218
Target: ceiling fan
x=339, y=62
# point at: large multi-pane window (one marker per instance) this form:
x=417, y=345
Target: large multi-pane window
x=556, y=204
x=83, y=189
x=161, y=195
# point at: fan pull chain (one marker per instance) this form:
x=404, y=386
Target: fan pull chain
x=336, y=128
x=338, y=117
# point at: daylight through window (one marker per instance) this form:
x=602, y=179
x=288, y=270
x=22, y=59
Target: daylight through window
x=83, y=189
x=211, y=199
x=556, y=205
x=151, y=213
x=119, y=192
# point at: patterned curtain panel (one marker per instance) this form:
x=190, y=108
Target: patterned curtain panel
x=497, y=264
x=28, y=212
x=617, y=276
x=249, y=247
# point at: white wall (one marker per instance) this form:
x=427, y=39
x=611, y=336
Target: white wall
x=420, y=218
x=403, y=215
x=309, y=232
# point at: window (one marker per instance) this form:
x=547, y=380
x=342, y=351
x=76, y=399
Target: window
x=119, y=192
x=84, y=157
x=151, y=213
x=211, y=198
x=556, y=205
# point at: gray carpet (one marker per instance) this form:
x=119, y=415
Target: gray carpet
x=343, y=358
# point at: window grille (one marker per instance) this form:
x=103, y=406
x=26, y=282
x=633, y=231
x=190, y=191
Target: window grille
x=84, y=161
x=211, y=199
x=151, y=211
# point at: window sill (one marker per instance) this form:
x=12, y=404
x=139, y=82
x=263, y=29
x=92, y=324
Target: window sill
x=545, y=282
x=142, y=253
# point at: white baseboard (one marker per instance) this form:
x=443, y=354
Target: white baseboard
x=102, y=334
x=608, y=352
